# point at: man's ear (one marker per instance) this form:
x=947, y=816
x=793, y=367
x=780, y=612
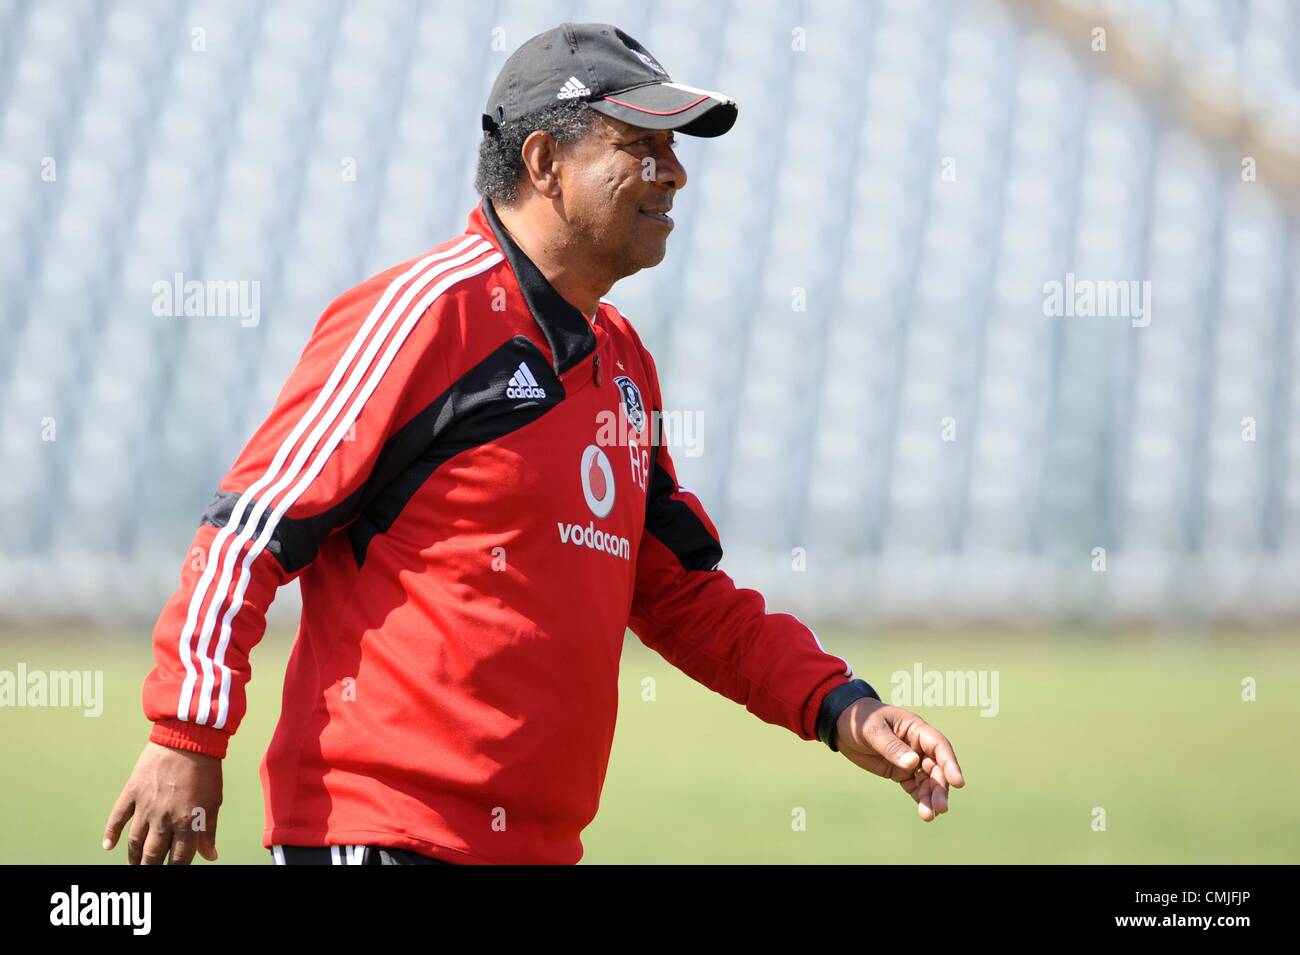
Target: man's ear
x=540, y=152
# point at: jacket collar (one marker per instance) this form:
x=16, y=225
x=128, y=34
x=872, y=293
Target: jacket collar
x=567, y=331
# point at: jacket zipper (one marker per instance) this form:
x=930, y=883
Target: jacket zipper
x=595, y=371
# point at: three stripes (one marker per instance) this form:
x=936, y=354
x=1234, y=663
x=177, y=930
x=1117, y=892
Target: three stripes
x=339, y=855
x=283, y=485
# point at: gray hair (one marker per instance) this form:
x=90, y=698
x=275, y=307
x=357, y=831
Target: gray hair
x=500, y=156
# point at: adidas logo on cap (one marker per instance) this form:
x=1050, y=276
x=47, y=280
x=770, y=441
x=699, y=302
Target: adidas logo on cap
x=572, y=89
x=524, y=385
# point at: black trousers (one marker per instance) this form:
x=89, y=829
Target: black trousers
x=349, y=855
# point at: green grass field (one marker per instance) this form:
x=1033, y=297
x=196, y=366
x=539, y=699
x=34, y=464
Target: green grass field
x=1152, y=730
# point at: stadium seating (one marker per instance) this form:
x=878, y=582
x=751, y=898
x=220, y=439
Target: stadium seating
x=853, y=300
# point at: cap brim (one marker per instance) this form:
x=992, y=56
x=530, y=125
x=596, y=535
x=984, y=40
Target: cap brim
x=686, y=109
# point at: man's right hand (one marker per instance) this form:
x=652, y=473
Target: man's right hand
x=174, y=796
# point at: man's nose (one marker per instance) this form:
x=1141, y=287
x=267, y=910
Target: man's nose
x=670, y=172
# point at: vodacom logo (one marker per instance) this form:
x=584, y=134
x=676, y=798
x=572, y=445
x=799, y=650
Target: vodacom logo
x=598, y=488
x=597, y=481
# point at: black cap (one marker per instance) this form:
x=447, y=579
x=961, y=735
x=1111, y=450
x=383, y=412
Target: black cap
x=612, y=73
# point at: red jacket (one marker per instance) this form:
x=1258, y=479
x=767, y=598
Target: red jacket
x=460, y=472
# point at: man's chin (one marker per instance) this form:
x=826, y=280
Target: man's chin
x=650, y=255
x=643, y=253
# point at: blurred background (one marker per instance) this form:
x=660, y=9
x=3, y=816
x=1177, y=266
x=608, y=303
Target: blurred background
x=905, y=438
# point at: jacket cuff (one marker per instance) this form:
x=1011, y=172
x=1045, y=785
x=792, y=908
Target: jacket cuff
x=813, y=703
x=191, y=737
x=836, y=702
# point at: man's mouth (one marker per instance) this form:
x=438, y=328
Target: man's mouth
x=658, y=216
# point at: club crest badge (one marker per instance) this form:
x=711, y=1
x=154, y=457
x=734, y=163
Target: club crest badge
x=632, y=402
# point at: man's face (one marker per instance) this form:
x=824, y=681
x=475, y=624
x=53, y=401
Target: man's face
x=618, y=184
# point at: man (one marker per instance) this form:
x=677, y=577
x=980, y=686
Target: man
x=465, y=473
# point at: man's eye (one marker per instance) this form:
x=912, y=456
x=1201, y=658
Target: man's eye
x=650, y=141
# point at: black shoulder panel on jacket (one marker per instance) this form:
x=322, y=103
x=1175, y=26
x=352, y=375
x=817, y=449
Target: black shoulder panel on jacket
x=294, y=541
x=475, y=410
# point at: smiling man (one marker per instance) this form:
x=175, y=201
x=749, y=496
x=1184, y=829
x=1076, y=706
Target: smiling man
x=471, y=548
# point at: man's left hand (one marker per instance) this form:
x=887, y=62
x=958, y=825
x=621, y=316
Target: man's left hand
x=899, y=745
